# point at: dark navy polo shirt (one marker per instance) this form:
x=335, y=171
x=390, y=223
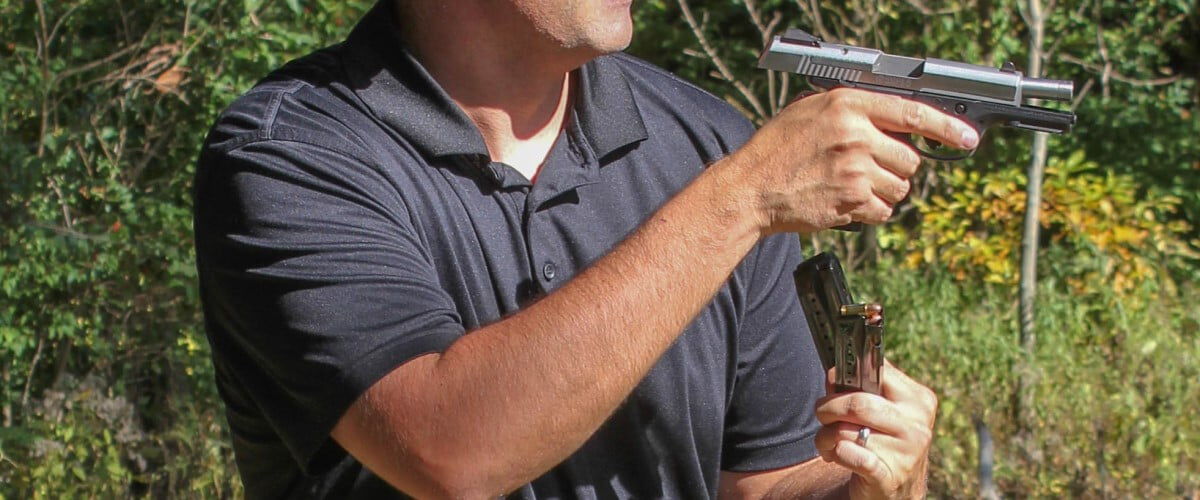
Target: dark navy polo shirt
x=348, y=219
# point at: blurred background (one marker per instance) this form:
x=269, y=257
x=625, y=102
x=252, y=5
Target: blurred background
x=1077, y=377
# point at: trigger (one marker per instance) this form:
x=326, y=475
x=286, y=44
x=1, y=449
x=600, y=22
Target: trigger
x=905, y=138
x=908, y=139
x=935, y=150
x=931, y=147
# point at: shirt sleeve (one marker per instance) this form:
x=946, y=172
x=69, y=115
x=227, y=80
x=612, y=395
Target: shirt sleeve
x=771, y=421
x=315, y=284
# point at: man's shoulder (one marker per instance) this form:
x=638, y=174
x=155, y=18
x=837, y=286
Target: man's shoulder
x=307, y=100
x=663, y=92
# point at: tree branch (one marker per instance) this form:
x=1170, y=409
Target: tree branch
x=813, y=11
x=1087, y=87
x=37, y=356
x=920, y=6
x=723, y=69
x=1107, y=72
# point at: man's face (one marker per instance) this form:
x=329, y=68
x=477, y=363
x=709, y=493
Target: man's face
x=599, y=26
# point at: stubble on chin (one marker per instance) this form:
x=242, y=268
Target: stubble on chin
x=586, y=26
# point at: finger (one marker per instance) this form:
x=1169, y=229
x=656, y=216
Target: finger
x=896, y=114
x=885, y=445
x=897, y=386
x=828, y=436
x=875, y=210
x=865, y=463
x=895, y=154
x=863, y=409
x=887, y=186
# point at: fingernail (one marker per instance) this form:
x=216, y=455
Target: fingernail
x=970, y=138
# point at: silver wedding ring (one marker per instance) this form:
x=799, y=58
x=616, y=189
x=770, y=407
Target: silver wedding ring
x=863, y=434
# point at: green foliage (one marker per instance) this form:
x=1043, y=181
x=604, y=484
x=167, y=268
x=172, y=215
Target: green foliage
x=1115, y=399
x=85, y=441
x=973, y=227
x=103, y=106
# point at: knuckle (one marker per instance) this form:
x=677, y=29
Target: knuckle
x=910, y=161
x=949, y=129
x=921, y=435
x=890, y=412
x=859, y=192
x=844, y=134
x=850, y=171
x=839, y=94
x=860, y=406
x=914, y=115
x=882, y=214
x=853, y=406
x=857, y=198
x=931, y=400
x=843, y=99
x=848, y=141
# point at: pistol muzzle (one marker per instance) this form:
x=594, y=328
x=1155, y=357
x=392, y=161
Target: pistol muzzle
x=1045, y=88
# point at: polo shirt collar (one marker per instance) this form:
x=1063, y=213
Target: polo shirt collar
x=605, y=108
x=400, y=92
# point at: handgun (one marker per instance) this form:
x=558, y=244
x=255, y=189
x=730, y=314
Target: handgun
x=980, y=95
x=848, y=335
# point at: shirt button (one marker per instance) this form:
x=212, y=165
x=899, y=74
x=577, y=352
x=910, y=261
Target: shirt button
x=549, y=270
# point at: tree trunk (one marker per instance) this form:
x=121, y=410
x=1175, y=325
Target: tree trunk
x=1027, y=369
x=987, y=486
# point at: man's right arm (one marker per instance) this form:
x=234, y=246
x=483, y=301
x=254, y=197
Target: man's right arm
x=507, y=402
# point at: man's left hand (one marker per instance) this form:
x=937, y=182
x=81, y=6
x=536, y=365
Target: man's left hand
x=892, y=461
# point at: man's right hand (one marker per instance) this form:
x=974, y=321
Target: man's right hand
x=826, y=160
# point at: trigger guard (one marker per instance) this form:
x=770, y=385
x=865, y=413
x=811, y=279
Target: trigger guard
x=932, y=155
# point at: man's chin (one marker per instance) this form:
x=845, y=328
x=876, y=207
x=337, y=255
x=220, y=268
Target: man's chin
x=593, y=52
x=600, y=39
x=615, y=38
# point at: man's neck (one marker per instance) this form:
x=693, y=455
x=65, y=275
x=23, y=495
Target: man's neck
x=516, y=89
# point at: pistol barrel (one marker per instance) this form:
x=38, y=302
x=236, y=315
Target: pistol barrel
x=1045, y=88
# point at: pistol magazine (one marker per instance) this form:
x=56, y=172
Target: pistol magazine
x=848, y=335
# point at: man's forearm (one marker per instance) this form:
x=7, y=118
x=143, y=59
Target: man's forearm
x=508, y=401
x=821, y=480
x=813, y=479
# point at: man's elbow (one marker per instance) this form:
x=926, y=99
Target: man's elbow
x=397, y=431
x=448, y=474
x=426, y=466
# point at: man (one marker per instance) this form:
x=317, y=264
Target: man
x=396, y=308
